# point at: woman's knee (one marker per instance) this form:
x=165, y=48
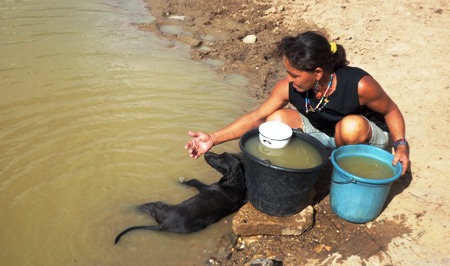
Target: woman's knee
x=352, y=129
x=288, y=116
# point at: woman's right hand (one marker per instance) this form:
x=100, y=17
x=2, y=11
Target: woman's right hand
x=200, y=143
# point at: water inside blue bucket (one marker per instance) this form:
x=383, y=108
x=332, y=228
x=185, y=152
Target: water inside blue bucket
x=355, y=198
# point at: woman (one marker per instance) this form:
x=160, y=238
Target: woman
x=335, y=103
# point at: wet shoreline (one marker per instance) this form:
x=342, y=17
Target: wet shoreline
x=216, y=32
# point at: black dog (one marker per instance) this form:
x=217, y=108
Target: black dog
x=213, y=202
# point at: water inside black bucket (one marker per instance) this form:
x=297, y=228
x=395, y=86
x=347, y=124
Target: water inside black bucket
x=298, y=154
x=278, y=190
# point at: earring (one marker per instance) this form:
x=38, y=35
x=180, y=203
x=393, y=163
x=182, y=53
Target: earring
x=316, y=87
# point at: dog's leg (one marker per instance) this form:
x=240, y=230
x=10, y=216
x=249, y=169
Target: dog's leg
x=158, y=210
x=195, y=183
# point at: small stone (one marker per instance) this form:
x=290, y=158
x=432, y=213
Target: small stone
x=270, y=10
x=261, y=262
x=319, y=248
x=177, y=17
x=250, y=39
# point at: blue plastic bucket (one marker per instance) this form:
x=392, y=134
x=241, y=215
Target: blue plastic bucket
x=357, y=199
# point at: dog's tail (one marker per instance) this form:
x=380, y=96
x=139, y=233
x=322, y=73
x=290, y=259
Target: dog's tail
x=146, y=227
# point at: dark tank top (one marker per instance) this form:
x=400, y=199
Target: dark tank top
x=344, y=101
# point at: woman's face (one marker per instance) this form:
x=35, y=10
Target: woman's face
x=302, y=80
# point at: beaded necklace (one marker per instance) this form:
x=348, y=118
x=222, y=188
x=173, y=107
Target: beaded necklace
x=323, y=101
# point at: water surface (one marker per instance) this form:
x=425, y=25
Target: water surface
x=94, y=115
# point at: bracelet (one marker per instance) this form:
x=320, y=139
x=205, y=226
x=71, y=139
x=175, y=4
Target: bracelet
x=399, y=142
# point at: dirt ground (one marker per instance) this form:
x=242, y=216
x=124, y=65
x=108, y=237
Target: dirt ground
x=404, y=45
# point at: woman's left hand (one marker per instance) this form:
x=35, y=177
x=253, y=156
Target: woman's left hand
x=402, y=156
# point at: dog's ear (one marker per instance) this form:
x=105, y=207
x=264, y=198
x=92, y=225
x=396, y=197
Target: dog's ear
x=239, y=156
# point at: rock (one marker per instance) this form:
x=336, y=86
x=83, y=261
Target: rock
x=177, y=17
x=250, y=39
x=270, y=10
x=248, y=221
x=319, y=248
x=273, y=10
x=266, y=262
x=400, y=49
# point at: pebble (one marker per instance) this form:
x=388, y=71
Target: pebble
x=250, y=39
x=177, y=17
x=270, y=10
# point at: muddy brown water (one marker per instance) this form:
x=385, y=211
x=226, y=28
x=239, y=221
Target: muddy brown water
x=94, y=116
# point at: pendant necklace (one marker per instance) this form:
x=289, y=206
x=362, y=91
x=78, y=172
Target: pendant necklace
x=323, y=101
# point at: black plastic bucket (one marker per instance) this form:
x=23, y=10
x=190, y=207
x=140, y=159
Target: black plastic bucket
x=276, y=190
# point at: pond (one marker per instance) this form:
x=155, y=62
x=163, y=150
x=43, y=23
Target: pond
x=94, y=115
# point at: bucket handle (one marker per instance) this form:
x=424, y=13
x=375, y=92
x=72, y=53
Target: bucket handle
x=352, y=180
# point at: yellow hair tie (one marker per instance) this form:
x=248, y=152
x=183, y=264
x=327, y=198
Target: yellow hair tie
x=333, y=47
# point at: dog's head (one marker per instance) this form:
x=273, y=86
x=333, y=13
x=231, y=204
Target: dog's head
x=225, y=163
x=232, y=168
